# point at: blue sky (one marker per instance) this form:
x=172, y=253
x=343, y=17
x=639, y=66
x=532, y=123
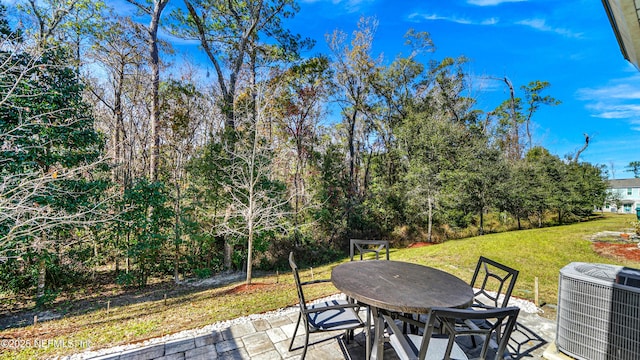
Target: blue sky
x=568, y=43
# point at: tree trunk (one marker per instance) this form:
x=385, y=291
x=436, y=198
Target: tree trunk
x=228, y=251
x=154, y=62
x=352, y=150
x=42, y=268
x=481, y=223
x=176, y=260
x=176, y=264
x=117, y=256
x=228, y=248
x=514, y=141
x=367, y=168
x=155, y=104
x=118, y=132
x=230, y=144
x=127, y=260
x=249, y=253
x=95, y=256
x=42, y=274
x=430, y=219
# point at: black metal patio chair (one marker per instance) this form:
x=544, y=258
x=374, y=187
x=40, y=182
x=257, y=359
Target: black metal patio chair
x=494, y=283
x=363, y=247
x=433, y=346
x=368, y=246
x=325, y=316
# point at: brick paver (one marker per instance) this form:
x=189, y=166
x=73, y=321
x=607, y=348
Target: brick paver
x=269, y=339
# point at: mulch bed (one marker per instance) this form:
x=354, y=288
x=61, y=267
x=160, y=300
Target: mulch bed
x=248, y=289
x=618, y=251
x=420, y=244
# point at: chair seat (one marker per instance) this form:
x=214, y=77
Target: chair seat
x=436, y=350
x=333, y=319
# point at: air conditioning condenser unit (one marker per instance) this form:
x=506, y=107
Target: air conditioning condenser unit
x=599, y=312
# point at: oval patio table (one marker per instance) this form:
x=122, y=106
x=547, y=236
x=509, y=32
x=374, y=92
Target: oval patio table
x=399, y=287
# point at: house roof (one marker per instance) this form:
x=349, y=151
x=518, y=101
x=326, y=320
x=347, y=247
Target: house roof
x=624, y=183
x=624, y=18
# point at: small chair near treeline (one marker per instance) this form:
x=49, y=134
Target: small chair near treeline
x=368, y=246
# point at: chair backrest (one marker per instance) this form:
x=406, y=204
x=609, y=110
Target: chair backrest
x=368, y=246
x=500, y=323
x=296, y=277
x=492, y=277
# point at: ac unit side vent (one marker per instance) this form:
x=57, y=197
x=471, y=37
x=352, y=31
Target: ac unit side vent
x=598, y=319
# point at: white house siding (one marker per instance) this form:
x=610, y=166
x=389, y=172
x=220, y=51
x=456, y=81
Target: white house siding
x=628, y=191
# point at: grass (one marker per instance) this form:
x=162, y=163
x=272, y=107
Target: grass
x=538, y=253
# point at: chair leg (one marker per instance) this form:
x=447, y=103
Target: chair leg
x=296, y=331
x=350, y=333
x=306, y=343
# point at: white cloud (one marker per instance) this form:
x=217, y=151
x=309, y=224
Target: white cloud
x=490, y=2
x=541, y=25
x=349, y=6
x=486, y=83
x=620, y=99
x=606, y=110
x=433, y=17
x=455, y=19
x=490, y=21
x=616, y=91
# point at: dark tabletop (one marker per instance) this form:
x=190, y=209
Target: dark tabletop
x=400, y=286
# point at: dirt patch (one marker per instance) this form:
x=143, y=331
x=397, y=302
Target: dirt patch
x=250, y=288
x=619, y=251
x=420, y=244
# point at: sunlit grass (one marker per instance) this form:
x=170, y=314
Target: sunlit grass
x=538, y=253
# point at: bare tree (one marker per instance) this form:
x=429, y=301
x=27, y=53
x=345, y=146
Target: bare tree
x=231, y=33
x=512, y=117
x=258, y=203
x=576, y=157
x=28, y=219
x=48, y=177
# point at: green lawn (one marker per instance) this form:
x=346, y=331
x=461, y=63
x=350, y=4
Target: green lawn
x=537, y=253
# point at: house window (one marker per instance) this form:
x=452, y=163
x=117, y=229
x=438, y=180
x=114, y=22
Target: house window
x=627, y=208
x=629, y=191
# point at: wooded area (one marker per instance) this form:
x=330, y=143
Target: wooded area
x=113, y=156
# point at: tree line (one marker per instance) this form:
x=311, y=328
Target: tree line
x=113, y=155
